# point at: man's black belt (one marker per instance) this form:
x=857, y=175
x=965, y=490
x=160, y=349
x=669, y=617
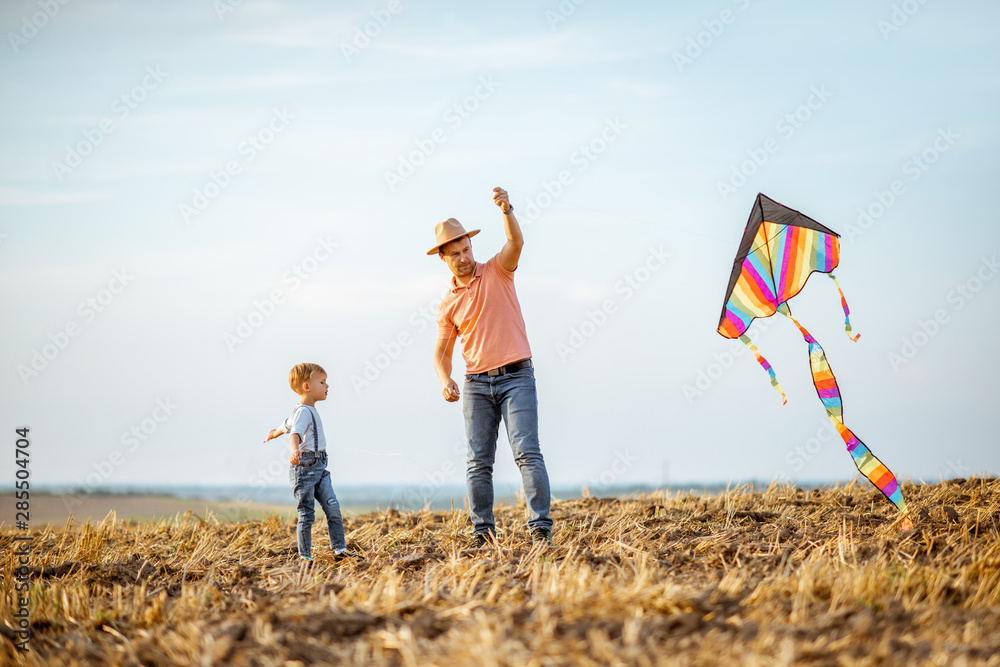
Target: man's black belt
x=503, y=370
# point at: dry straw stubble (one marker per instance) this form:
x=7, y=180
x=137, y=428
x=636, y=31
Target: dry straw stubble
x=786, y=576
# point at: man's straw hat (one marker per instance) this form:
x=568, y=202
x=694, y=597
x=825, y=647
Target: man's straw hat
x=448, y=231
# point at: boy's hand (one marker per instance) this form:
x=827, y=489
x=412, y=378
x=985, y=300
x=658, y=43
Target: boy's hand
x=294, y=458
x=272, y=434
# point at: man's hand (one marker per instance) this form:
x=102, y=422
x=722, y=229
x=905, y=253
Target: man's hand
x=443, y=350
x=450, y=391
x=272, y=434
x=501, y=199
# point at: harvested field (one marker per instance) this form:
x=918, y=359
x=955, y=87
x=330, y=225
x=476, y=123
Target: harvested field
x=776, y=578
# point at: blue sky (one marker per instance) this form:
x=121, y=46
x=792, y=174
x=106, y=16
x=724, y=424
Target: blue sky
x=235, y=157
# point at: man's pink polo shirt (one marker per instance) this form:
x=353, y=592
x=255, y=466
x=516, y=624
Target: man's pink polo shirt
x=487, y=315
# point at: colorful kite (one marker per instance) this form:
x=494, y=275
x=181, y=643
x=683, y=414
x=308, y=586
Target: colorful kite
x=779, y=251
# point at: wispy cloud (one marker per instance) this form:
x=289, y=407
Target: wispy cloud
x=16, y=197
x=322, y=32
x=569, y=47
x=284, y=79
x=643, y=89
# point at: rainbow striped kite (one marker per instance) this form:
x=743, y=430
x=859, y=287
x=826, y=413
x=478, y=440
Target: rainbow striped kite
x=779, y=251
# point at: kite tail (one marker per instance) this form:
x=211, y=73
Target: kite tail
x=866, y=462
x=847, y=311
x=766, y=365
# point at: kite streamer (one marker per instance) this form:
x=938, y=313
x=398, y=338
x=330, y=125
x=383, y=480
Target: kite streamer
x=847, y=311
x=767, y=366
x=829, y=393
x=780, y=249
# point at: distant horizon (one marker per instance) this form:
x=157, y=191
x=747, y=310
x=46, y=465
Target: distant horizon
x=365, y=497
x=126, y=487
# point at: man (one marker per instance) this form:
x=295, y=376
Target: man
x=482, y=307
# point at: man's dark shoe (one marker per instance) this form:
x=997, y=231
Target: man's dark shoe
x=480, y=540
x=541, y=535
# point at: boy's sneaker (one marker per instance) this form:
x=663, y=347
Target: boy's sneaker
x=306, y=559
x=541, y=535
x=344, y=553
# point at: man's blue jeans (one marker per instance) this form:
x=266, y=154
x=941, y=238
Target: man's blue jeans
x=513, y=398
x=311, y=483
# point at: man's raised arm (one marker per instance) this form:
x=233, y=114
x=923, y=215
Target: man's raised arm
x=511, y=251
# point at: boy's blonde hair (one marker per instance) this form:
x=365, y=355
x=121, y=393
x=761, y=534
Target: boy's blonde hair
x=301, y=373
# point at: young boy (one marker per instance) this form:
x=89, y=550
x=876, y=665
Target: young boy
x=308, y=475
